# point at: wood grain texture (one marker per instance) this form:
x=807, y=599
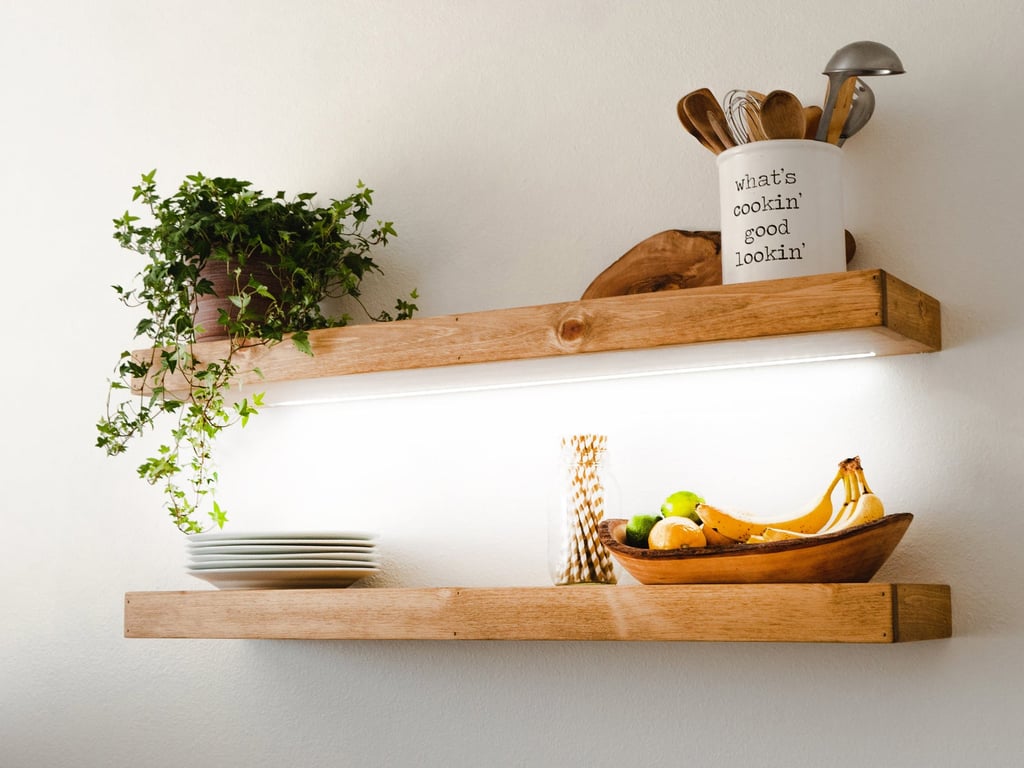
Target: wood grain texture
x=844, y=101
x=841, y=613
x=910, y=313
x=670, y=260
x=923, y=612
x=833, y=302
x=852, y=555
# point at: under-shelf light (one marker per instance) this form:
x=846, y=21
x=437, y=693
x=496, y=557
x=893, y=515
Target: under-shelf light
x=582, y=379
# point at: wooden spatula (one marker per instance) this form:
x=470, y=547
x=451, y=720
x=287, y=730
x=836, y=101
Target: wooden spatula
x=697, y=105
x=842, y=110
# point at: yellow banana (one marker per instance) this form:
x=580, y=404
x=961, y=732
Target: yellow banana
x=735, y=527
x=716, y=539
x=862, y=506
x=841, y=520
x=860, y=476
x=782, y=532
x=869, y=506
x=815, y=518
x=726, y=524
x=859, y=506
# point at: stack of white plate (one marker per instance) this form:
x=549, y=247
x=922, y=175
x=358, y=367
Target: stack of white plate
x=281, y=560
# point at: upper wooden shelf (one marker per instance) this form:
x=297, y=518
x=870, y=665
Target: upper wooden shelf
x=823, y=613
x=858, y=312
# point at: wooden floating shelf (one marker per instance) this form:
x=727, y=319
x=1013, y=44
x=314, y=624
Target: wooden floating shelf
x=858, y=312
x=822, y=613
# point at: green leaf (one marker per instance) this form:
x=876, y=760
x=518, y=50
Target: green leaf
x=301, y=341
x=313, y=253
x=218, y=515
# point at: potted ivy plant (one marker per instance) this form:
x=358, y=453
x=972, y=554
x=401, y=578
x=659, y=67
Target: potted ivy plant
x=225, y=260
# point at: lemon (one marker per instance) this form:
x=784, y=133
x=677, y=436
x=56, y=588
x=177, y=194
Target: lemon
x=682, y=504
x=676, y=533
x=638, y=528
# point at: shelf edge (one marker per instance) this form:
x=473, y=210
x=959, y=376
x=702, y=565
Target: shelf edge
x=819, y=304
x=834, y=613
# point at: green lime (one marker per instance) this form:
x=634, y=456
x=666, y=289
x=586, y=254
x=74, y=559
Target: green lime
x=638, y=528
x=682, y=504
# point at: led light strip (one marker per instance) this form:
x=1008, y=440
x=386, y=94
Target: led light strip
x=451, y=390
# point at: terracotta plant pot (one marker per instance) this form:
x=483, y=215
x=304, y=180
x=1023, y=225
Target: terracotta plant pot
x=221, y=274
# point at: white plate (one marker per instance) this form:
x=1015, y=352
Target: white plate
x=285, y=536
x=283, y=578
x=350, y=557
x=266, y=564
x=321, y=543
x=357, y=553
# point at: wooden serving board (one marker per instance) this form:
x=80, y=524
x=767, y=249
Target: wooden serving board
x=670, y=260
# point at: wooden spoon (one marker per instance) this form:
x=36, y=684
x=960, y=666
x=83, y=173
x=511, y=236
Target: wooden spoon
x=782, y=116
x=812, y=116
x=697, y=105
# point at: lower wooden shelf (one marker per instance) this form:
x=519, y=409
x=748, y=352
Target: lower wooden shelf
x=822, y=613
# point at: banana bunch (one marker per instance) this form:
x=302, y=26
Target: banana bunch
x=860, y=506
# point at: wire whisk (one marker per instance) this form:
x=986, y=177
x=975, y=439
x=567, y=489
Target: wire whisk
x=743, y=115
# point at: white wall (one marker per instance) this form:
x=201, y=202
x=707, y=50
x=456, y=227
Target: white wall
x=520, y=147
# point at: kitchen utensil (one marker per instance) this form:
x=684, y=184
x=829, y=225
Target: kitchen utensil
x=737, y=129
x=860, y=111
x=812, y=116
x=854, y=60
x=738, y=105
x=853, y=555
x=691, y=128
x=782, y=116
x=752, y=116
x=720, y=129
x=840, y=111
x=697, y=105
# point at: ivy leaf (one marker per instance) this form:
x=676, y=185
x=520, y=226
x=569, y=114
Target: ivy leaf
x=301, y=341
x=218, y=515
x=313, y=253
x=144, y=326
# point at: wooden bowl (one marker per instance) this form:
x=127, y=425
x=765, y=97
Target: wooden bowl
x=854, y=555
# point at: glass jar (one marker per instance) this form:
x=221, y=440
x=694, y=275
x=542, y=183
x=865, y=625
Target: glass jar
x=587, y=494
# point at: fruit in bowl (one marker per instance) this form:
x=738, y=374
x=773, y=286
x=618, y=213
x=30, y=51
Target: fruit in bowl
x=682, y=504
x=852, y=555
x=848, y=541
x=638, y=529
x=676, y=533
